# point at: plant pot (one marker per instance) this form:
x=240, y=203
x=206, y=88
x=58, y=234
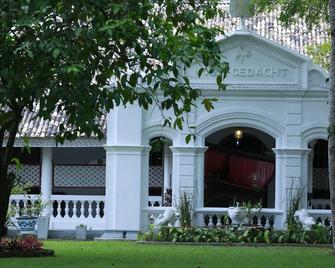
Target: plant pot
x=43, y=227
x=81, y=232
x=26, y=224
x=237, y=214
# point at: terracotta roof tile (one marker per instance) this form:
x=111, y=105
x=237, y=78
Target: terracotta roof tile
x=296, y=37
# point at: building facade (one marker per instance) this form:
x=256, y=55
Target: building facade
x=265, y=140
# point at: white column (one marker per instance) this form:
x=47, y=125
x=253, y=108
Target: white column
x=200, y=185
x=279, y=186
x=188, y=173
x=291, y=172
x=126, y=186
x=126, y=173
x=46, y=179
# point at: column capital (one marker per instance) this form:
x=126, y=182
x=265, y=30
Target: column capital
x=291, y=152
x=187, y=150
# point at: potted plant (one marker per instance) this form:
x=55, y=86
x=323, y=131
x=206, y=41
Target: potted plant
x=251, y=210
x=27, y=219
x=27, y=215
x=237, y=214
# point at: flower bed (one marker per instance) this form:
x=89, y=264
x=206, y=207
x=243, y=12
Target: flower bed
x=296, y=235
x=23, y=246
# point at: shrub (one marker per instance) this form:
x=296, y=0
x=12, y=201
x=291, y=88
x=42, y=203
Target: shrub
x=24, y=243
x=318, y=235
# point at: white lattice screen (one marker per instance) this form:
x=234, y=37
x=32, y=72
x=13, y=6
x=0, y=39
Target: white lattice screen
x=156, y=176
x=27, y=174
x=320, y=178
x=79, y=176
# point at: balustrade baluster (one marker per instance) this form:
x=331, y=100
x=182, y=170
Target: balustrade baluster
x=17, y=206
x=89, y=210
x=59, y=208
x=82, y=209
x=210, y=221
x=75, y=208
x=66, y=209
x=219, y=223
x=267, y=223
x=323, y=221
x=177, y=223
x=259, y=221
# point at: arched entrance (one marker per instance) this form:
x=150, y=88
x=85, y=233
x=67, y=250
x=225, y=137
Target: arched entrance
x=318, y=183
x=160, y=172
x=239, y=167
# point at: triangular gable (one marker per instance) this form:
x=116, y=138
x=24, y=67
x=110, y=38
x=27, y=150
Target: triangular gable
x=256, y=62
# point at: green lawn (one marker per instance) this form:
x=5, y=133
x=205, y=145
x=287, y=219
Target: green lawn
x=130, y=254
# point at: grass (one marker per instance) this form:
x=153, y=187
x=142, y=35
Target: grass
x=131, y=254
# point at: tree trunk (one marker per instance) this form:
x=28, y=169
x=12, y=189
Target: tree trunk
x=7, y=180
x=5, y=189
x=331, y=139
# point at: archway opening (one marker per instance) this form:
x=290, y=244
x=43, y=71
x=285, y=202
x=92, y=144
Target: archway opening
x=318, y=183
x=239, y=167
x=160, y=172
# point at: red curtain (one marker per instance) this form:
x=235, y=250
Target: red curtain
x=264, y=172
x=242, y=171
x=215, y=161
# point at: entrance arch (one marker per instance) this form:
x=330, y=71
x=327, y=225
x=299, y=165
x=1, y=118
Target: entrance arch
x=318, y=175
x=243, y=117
x=239, y=168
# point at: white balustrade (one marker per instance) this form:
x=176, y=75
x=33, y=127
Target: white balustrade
x=218, y=217
x=155, y=201
x=67, y=211
x=19, y=202
x=320, y=204
x=153, y=212
x=321, y=216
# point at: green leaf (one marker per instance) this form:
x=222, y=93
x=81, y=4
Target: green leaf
x=55, y=53
x=133, y=79
x=208, y=104
x=201, y=70
x=188, y=138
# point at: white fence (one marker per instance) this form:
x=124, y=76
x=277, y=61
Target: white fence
x=68, y=211
x=218, y=217
x=322, y=216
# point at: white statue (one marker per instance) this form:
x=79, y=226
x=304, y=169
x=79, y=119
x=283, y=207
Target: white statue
x=169, y=217
x=303, y=217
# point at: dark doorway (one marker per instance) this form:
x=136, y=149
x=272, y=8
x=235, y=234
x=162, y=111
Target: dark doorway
x=239, y=167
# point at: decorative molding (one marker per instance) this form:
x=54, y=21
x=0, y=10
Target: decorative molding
x=291, y=152
x=188, y=150
x=313, y=131
x=243, y=54
x=126, y=149
x=234, y=116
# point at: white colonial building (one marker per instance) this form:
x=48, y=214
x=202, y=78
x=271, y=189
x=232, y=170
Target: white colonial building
x=265, y=139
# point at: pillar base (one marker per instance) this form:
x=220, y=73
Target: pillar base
x=131, y=235
x=111, y=235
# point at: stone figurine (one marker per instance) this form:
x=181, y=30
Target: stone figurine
x=303, y=217
x=168, y=218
